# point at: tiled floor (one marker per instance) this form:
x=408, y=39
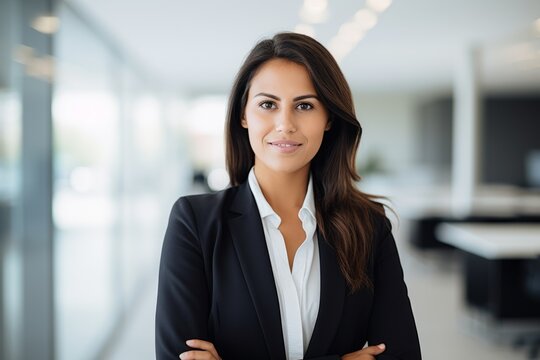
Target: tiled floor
x=447, y=331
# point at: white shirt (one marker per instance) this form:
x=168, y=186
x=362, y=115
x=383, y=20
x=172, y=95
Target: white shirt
x=298, y=291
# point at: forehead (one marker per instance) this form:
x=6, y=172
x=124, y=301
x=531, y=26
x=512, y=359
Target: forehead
x=281, y=77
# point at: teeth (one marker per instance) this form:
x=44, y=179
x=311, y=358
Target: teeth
x=284, y=145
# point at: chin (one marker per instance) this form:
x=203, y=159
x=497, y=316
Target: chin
x=286, y=168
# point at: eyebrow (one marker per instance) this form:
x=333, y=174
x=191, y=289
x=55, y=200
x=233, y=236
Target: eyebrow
x=301, y=97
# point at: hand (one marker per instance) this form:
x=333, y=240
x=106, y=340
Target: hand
x=367, y=353
x=208, y=352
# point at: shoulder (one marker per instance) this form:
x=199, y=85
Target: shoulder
x=199, y=218
x=381, y=226
x=205, y=204
x=379, y=220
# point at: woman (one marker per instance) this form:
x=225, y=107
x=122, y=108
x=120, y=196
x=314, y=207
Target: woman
x=292, y=261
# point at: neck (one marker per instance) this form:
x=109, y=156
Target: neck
x=285, y=192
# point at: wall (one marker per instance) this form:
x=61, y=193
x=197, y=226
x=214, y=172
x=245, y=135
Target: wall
x=389, y=126
x=512, y=132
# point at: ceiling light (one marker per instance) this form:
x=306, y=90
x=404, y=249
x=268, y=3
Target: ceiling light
x=23, y=54
x=41, y=68
x=46, y=24
x=314, y=11
x=313, y=17
x=351, y=32
x=366, y=18
x=316, y=5
x=339, y=48
x=379, y=5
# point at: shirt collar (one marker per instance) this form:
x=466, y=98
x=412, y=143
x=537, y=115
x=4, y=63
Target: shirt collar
x=264, y=207
x=309, y=200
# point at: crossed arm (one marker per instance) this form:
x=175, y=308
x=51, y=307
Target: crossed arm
x=205, y=350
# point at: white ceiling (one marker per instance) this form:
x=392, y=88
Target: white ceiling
x=196, y=46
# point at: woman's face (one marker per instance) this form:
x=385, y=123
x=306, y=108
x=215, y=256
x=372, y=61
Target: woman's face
x=285, y=119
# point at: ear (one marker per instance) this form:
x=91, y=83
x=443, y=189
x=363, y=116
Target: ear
x=328, y=125
x=243, y=122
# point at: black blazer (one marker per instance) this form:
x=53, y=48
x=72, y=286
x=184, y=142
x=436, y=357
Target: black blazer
x=216, y=284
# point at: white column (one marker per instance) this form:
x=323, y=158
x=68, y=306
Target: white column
x=467, y=137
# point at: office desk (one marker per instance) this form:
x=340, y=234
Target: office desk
x=428, y=207
x=499, y=260
x=494, y=240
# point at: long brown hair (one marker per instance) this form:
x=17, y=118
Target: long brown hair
x=345, y=215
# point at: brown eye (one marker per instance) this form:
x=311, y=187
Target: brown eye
x=267, y=105
x=304, y=106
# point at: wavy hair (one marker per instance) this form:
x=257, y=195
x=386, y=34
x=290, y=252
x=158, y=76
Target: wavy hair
x=345, y=215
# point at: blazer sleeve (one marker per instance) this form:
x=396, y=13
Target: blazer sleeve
x=183, y=299
x=392, y=321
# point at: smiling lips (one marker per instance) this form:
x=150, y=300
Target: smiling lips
x=285, y=146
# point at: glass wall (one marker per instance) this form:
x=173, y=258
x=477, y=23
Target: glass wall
x=82, y=218
x=86, y=116
x=10, y=161
x=114, y=181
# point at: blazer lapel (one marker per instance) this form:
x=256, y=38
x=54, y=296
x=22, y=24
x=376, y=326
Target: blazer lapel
x=248, y=238
x=333, y=292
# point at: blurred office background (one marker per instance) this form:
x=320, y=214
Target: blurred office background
x=110, y=110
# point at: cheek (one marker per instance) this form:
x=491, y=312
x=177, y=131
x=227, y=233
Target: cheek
x=258, y=126
x=257, y=133
x=316, y=133
x=254, y=139
x=316, y=142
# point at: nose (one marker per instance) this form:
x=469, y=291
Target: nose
x=285, y=122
